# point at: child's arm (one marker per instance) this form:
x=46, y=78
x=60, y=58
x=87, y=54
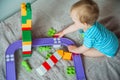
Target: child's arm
x=79, y=50
x=69, y=29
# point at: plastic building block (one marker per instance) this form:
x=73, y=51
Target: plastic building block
x=60, y=52
x=27, y=25
x=48, y=63
x=26, y=36
x=23, y=9
x=26, y=48
x=26, y=66
x=70, y=70
x=57, y=43
x=51, y=32
x=67, y=56
x=26, y=55
x=26, y=43
x=44, y=48
x=48, y=56
x=78, y=67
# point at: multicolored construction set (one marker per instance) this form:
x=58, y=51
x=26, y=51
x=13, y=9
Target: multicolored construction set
x=26, y=43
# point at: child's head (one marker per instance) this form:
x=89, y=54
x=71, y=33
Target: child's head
x=85, y=11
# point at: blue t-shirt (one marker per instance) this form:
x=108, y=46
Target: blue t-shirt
x=100, y=38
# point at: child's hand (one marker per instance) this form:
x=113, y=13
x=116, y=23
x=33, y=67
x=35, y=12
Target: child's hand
x=72, y=48
x=60, y=34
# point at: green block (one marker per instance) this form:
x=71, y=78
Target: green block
x=70, y=70
x=29, y=15
x=26, y=55
x=51, y=32
x=26, y=36
x=48, y=56
x=25, y=18
x=26, y=65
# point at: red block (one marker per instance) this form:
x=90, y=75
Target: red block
x=55, y=36
x=26, y=52
x=46, y=65
x=26, y=28
x=54, y=59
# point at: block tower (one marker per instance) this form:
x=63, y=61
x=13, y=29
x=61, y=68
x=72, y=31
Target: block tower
x=26, y=16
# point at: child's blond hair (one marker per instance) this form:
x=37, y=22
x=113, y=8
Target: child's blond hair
x=87, y=11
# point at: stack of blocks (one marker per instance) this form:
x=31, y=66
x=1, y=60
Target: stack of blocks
x=26, y=16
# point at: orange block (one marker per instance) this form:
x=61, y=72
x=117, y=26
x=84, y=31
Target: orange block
x=26, y=43
x=60, y=52
x=67, y=56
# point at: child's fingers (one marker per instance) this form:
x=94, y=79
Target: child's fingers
x=59, y=34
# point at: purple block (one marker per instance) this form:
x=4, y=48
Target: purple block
x=78, y=67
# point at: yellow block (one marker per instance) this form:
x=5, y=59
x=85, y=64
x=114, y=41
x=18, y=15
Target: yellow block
x=60, y=52
x=23, y=9
x=29, y=22
x=26, y=43
x=67, y=56
x=27, y=25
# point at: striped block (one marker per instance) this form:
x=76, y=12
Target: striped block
x=26, y=15
x=48, y=64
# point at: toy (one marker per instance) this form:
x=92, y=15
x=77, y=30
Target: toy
x=48, y=63
x=78, y=68
x=51, y=32
x=57, y=43
x=70, y=70
x=48, y=56
x=44, y=48
x=26, y=29
x=26, y=15
x=10, y=65
x=26, y=65
x=67, y=56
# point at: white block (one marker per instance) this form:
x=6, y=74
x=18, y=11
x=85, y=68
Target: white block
x=26, y=47
x=50, y=62
x=57, y=56
x=41, y=70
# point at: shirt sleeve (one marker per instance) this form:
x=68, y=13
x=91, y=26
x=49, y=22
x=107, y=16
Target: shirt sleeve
x=88, y=42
